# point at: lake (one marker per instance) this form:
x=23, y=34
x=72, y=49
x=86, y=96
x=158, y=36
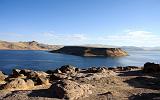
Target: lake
x=43, y=60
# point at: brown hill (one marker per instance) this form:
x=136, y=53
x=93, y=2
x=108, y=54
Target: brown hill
x=32, y=45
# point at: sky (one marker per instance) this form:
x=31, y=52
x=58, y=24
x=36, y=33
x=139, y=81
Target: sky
x=79, y=22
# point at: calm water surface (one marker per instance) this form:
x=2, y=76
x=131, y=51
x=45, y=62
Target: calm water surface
x=42, y=60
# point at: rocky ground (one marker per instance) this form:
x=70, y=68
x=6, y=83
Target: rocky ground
x=69, y=82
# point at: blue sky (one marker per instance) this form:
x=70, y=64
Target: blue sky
x=75, y=22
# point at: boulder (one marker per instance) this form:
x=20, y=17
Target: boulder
x=42, y=80
x=25, y=72
x=53, y=71
x=77, y=69
x=58, y=76
x=41, y=73
x=67, y=89
x=18, y=84
x=68, y=69
x=2, y=76
x=151, y=68
x=92, y=70
x=111, y=68
x=34, y=74
x=30, y=83
x=119, y=68
x=95, y=70
x=15, y=73
x=127, y=68
x=38, y=77
x=28, y=73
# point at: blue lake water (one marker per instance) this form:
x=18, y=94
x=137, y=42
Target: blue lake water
x=43, y=60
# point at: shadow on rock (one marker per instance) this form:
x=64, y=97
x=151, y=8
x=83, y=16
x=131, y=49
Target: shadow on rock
x=41, y=93
x=145, y=82
x=146, y=96
x=106, y=96
x=131, y=73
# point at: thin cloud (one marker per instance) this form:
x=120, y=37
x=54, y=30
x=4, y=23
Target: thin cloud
x=126, y=38
x=66, y=39
x=133, y=38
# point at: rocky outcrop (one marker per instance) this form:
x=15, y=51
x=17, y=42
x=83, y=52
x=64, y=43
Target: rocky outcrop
x=64, y=72
x=68, y=69
x=95, y=70
x=71, y=90
x=42, y=80
x=151, y=68
x=2, y=76
x=91, y=51
x=71, y=83
x=32, y=45
x=38, y=77
x=19, y=84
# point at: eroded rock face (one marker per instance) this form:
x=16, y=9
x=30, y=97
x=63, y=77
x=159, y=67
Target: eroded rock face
x=42, y=80
x=2, y=76
x=151, y=68
x=71, y=90
x=30, y=83
x=16, y=73
x=34, y=74
x=38, y=77
x=25, y=72
x=18, y=84
x=91, y=51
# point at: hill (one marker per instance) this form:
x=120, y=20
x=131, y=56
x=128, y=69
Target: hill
x=31, y=45
x=91, y=51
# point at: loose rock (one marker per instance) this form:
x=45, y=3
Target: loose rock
x=70, y=90
x=151, y=68
x=68, y=69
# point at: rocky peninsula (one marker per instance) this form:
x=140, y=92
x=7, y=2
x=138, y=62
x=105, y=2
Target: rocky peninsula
x=72, y=83
x=90, y=51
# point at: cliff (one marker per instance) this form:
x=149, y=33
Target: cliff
x=32, y=45
x=90, y=51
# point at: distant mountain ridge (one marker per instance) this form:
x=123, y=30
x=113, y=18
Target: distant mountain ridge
x=126, y=48
x=130, y=48
x=133, y=48
x=31, y=45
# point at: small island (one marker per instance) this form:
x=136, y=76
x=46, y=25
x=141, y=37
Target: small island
x=91, y=51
